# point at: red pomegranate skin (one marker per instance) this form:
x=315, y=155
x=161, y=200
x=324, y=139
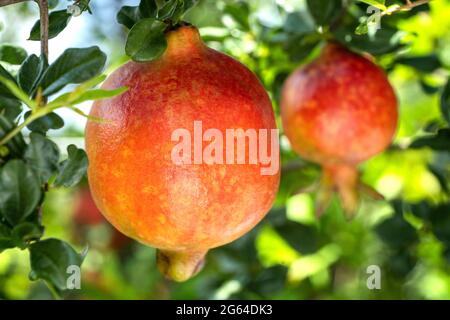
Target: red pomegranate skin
x=183, y=210
x=338, y=109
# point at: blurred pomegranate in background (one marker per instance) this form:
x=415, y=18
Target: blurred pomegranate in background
x=85, y=210
x=86, y=215
x=339, y=111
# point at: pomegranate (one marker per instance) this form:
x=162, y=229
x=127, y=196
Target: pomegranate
x=181, y=209
x=338, y=111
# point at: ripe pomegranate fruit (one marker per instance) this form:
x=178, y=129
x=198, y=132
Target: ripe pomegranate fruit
x=338, y=111
x=183, y=210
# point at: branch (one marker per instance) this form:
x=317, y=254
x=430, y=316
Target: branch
x=8, y=2
x=43, y=11
x=408, y=6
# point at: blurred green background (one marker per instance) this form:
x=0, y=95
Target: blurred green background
x=291, y=254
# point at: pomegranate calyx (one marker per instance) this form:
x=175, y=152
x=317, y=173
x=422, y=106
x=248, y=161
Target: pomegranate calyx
x=180, y=265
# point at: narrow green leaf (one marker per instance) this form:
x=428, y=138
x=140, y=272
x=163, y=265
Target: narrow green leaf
x=380, y=4
x=20, y=191
x=99, y=94
x=75, y=65
x=4, y=91
x=58, y=20
x=12, y=86
x=146, y=40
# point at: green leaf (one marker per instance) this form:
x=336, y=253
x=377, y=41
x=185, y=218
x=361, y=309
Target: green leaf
x=58, y=20
x=396, y=232
x=42, y=155
x=428, y=88
x=441, y=175
x=10, y=108
x=167, y=10
x=30, y=72
x=302, y=238
x=298, y=22
x=440, y=219
x=4, y=90
x=362, y=28
x=426, y=64
x=73, y=169
x=25, y=232
x=269, y=281
x=324, y=11
x=52, y=4
x=401, y=263
x=99, y=94
x=299, y=47
x=386, y=40
x=16, y=145
x=188, y=4
x=6, y=240
x=438, y=142
x=146, y=40
x=45, y=123
x=128, y=16
x=380, y=4
x=240, y=13
x=20, y=191
x=75, y=65
x=17, y=92
x=445, y=102
x=421, y=210
x=50, y=259
x=148, y=9
x=12, y=54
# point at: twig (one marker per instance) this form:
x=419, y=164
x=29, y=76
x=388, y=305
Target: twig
x=408, y=6
x=19, y=128
x=8, y=2
x=43, y=12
